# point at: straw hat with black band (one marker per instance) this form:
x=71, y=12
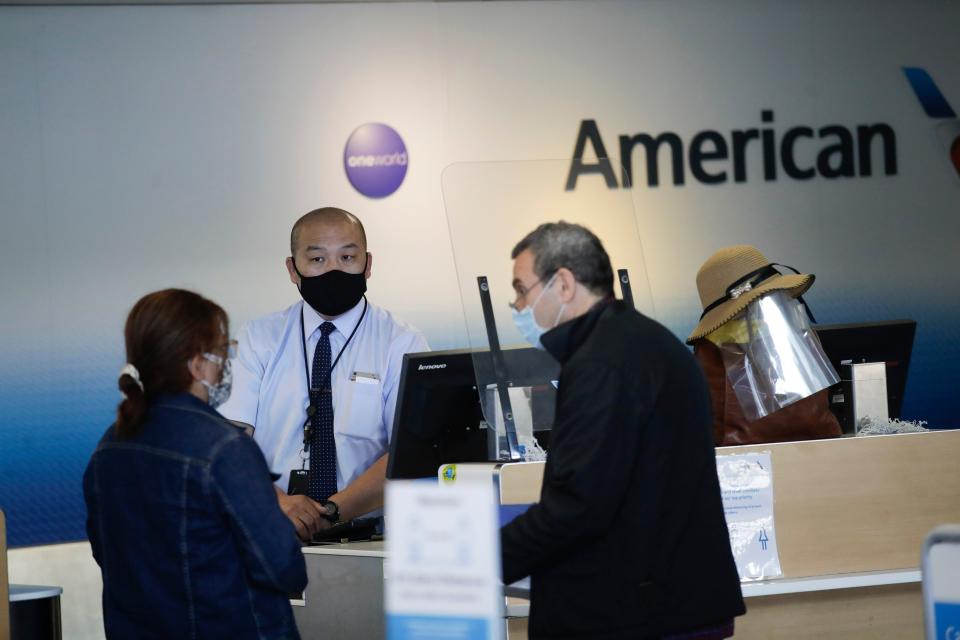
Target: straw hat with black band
x=732, y=278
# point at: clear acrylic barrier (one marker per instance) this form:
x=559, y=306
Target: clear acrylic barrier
x=490, y=207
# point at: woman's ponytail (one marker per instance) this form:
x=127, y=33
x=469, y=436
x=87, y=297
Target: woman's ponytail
x=134, y=405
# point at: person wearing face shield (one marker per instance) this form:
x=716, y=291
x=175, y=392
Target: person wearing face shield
x=767, y=372
x=181, y=512
x=628, y=539
x=318, y=381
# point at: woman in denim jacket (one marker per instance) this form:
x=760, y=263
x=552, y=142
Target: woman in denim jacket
x=182, y=514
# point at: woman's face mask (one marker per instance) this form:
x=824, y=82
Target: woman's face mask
x=772, y=356
x=218, y=393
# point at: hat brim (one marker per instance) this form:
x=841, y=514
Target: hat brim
x=797, y=285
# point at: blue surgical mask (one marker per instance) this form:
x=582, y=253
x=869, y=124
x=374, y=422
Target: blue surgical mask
x=528, y=327
x=526, y=322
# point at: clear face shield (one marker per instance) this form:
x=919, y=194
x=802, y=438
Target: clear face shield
x=772, y=355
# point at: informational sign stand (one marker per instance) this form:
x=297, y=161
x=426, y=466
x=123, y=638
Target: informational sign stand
x=941, y=583
x=443, y=577
x=746, y=485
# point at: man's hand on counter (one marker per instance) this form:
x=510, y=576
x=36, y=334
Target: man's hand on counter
x=307, y=516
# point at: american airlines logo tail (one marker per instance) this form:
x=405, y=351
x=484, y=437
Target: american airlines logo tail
x=935, y=105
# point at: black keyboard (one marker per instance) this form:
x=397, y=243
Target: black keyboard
x=349, y=531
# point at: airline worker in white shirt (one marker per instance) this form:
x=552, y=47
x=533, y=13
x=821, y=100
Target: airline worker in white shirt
x=318, y=381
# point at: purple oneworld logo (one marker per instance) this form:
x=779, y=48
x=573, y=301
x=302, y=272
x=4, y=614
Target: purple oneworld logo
x=375, y=159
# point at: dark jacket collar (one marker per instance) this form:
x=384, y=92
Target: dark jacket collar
x=183, y=400
x=563, y=340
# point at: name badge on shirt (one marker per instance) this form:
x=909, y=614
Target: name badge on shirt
x=364, y=378
x=299, y=482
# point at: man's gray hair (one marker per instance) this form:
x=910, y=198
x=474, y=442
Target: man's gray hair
x=563, y=244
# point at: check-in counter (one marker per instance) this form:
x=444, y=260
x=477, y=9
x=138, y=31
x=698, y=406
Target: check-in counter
x=345, y=594
x=851, y=515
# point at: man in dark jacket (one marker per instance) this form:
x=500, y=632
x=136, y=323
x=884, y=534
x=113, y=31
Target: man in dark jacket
x=629, y=538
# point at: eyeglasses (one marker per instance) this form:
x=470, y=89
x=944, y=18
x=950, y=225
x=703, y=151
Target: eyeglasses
x=522, y=293
x=231, y=348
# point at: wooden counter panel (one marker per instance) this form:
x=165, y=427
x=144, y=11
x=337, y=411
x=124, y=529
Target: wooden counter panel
x=880, y=613
x=520, y=482
x=861, y=504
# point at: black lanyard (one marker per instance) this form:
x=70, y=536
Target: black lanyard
x=311, y=410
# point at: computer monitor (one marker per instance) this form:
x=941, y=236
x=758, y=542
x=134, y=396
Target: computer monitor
x=890, y=342
x=438, y=416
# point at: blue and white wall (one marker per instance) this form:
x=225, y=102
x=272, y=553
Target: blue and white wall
x=146, y=147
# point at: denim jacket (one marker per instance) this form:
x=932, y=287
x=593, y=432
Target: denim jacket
x=185, y=525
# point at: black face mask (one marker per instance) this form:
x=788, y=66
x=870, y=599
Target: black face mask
x=334, y=292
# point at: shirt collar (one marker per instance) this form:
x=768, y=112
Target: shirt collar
x=344, y=323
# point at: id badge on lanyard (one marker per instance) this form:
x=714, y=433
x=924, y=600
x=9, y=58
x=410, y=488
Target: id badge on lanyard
x=299, y=484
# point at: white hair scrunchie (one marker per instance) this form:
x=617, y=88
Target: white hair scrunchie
x=130, y=370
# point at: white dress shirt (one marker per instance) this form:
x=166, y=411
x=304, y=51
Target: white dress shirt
x=270, y=385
